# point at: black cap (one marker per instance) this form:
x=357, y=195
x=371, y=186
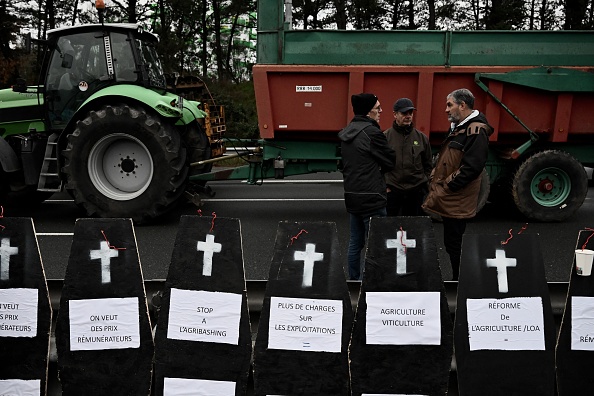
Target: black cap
x=403, y=105
x=363, y=103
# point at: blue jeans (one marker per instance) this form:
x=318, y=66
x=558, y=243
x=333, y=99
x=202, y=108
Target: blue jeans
x=359, y=231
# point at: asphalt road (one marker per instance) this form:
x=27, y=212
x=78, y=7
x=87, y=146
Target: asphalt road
x=316, y=197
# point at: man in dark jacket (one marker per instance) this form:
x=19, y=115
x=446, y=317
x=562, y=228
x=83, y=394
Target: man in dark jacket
x=365, y=157
x=456, y=178
x=407, y=183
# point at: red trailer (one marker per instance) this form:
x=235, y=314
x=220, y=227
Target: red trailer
x=535, y=87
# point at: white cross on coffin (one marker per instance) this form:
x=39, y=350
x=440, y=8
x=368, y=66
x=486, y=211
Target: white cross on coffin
x=309, y=257
x=105, y=253
x=5, y=252
x=401, y=244
x=208, y=247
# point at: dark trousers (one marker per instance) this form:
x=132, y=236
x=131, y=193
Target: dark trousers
x=359, y=231
x=406, y=202
x=453, y=229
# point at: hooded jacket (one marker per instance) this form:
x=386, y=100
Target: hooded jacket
x=456, y=178
x=366, y=156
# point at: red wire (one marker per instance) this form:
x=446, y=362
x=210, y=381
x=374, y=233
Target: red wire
x=510, y=237
x=587, y=239
x=109, y=245
x=402, y=236
x=293, y=239
x=214, y=216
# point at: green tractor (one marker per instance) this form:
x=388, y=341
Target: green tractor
x=103, y=125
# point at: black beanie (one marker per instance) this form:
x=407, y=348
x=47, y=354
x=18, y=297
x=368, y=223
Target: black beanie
x=363, y=103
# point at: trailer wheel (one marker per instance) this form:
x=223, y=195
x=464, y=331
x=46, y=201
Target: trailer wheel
x=122, y=162
x=551, y=185
x=198, y=150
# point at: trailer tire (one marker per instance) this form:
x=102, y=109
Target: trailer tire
x=550, y=185
x=121, y=161
x=198, y=149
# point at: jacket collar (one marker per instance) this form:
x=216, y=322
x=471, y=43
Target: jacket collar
x=470, y=117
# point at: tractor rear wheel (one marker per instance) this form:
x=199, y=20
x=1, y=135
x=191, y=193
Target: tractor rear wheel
x=550, y=185
x=121, y=161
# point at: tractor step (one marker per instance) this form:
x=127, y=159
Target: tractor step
x=49, y=178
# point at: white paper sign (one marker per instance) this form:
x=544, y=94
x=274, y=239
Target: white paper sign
x=198, y=315
x=299, y=324
x=403, y=318
x=582, y=323
x=513, y=324
x=196, y=387
x=18, y=313
x=104, y=323
x=16, y=387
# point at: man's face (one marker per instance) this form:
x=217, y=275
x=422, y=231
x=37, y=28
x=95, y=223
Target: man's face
x=374, y=114
x=403, y=119
x=453, y=110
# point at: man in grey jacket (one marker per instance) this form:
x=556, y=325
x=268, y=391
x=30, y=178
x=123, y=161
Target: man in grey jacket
x=366, y=156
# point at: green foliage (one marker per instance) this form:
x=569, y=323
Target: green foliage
x=240, y=107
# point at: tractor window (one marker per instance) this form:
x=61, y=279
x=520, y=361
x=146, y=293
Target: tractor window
x=123, y=58
x=76, y=67
x=150, y=60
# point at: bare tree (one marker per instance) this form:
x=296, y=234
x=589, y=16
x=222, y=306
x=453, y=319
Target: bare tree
x=432, y=15
x=575, y=11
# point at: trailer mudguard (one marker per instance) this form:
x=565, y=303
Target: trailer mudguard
x=8, y=158
x=166, y=104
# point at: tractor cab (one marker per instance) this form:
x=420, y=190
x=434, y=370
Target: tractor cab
x=85, y=59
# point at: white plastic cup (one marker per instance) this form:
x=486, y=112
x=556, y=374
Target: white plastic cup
x=583, y=261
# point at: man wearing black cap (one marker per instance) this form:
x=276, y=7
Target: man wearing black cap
x=365, y=157
x=408, y=182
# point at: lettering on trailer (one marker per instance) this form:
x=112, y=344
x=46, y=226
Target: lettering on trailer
x=5, y=252
x=309, y=257
x=105, y=253
x=501, y=263
x=208, y=247
x=401, y=244
x=308, y=88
